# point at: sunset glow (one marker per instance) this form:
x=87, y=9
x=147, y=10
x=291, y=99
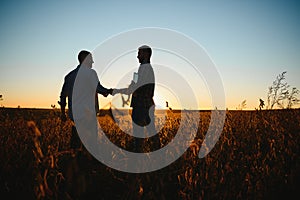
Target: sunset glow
x=249, y=42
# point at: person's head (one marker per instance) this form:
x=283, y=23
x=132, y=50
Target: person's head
x=144, y=54
x=85, y=58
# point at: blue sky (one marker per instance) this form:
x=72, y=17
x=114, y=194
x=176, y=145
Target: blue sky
x=250, y=42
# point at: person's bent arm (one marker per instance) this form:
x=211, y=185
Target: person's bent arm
x=63, y=102
x=132, y=87
x=102, y=90
x=126, y=91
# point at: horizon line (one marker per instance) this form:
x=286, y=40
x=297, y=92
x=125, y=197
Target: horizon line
x=106, y=109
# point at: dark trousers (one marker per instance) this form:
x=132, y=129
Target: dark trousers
x=144, y=118
x=75, y=142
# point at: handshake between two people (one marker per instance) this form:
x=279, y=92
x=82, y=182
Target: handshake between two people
x=114, y=91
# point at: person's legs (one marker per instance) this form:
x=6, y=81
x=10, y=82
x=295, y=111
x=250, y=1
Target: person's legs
x=75, y=142
x=138, y=123
x=144, y=117
x=152, y=131
x=137, y=142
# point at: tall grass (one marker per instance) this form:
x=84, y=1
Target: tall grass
x=256, y=157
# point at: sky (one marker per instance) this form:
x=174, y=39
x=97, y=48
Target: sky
x=250, y=43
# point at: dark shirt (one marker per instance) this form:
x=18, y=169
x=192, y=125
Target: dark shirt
x=67, y=91
x=142, y=96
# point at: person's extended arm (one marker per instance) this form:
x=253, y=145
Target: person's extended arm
x=102, y=90
x=133, y=86
x=126, y=91
x=99, y=89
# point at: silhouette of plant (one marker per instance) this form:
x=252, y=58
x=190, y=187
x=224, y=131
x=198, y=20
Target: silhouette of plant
x=167, y=105
x=261, y=104
x=279, y=94
x=242, y=105
x=292, y=98
x=125, y=101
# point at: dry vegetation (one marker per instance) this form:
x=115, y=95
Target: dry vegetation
x=256, y=157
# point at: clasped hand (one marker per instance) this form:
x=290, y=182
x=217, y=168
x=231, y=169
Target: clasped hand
x=109, y=91
x=124, y=90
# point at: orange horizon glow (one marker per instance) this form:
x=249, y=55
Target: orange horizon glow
x=104, y=104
